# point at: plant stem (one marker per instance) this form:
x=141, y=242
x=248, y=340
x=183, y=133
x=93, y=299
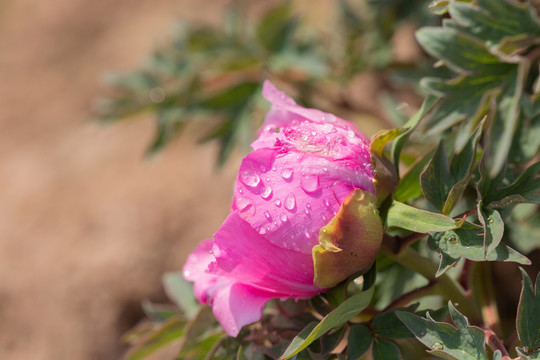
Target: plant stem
x=482, y=284
x=447, y=287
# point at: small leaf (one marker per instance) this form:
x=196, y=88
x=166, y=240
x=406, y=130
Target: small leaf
x=528, y=315
x=389, y=326
x=339, y=316
x=523, y=355
x=385, y=350
x=181, y=292
x=330, y=340
x=359, y=341
x=383, y=137
x=421, y=221
x=435, y=179
x=463, y=342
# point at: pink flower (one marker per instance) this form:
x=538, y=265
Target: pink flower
x=304, y=165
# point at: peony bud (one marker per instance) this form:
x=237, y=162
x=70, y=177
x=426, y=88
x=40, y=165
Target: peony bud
x=305, y=165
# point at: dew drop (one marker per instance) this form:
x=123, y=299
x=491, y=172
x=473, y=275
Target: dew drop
x=186, y=273
x=313, y=133
x=329, y=118
x=277, y=202
x=350, y=133
x=287, y=173
x=310, y=183
x=307, y=235
x=328, y=128
x=244, y=204
x=262, y=230
x=326, y=202
x=267, y=215
x=250, y=178
x=283, y=217
x=266, y=193
x=274, y=168
x=290, y=202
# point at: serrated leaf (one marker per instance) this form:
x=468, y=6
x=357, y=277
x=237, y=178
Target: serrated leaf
x=385, y=350
x=359, y=341
x=468, y=243
x=421, y=221
x=463, y=342
x=162, y=335
x=388, y=325
x=181, y=292
x=528, y=314
x=339, y=316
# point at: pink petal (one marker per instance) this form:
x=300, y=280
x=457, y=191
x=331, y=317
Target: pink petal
x=238, y=305
x=195, y=270
x=243, y=255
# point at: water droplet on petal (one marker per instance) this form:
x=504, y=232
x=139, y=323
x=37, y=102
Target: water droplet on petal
x=326, y=202
x=267, y=215
x=287, y=173
x=262, y=230
x=310, y=183
x=277, y=202
x=274, y=168
x=290, y=202
x=266, y=193
x=328, y=128
x=329, y=118
x=351, y=134
x=186, y=273
x=283, y=217
x=250, y=178
x=244, y=204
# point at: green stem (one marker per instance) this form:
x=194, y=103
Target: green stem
x=448, y=288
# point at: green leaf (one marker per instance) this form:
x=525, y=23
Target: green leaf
x=359, y=341
x=439, y=7
x=435, y=179
x=460, y=51
x=231, y=97
x=387, y=324
x=385, y=350
x=164, y=334
x=494, y=20
x=421, y=221
x=524, y=227
x=466, y=242
x=339, y=316
x=526, y=188
x=276, y=28
x=528, y=315
x=201, y=333
x=523, y=355
x=409, y=185
x=330, y=340
x=383, y=137
x=181, y=292
x=462, y=342
x=493, y=228
x=400, y=141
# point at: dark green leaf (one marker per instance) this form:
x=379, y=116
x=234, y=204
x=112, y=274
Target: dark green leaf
x=421, y=221
x=463, y=342
x=526, y=188
x=385, y=350
x=389, y=326
x=523, y=355
x=435, y=179
x=330, y=340
x=528, y=315
x=230, y=98
x=409, y=185
x=359, y=341
x=339, y=316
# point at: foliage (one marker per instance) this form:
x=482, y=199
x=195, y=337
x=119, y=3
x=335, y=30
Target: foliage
x=462, y=174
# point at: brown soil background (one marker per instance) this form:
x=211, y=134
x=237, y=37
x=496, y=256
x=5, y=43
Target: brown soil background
x=87, y=226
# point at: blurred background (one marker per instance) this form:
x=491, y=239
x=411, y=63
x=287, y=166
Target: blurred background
x=88, y=225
